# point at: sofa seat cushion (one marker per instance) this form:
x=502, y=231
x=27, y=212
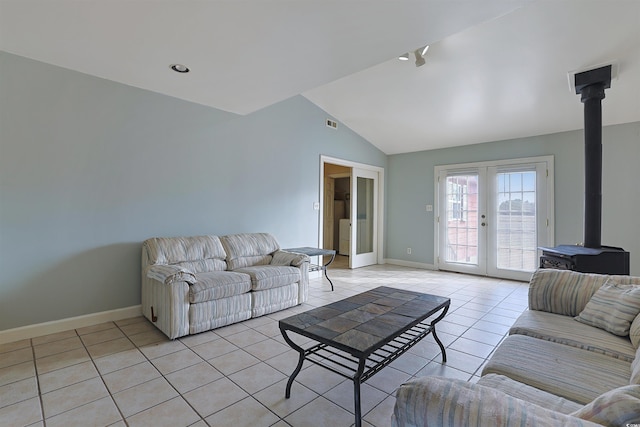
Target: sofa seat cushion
x=215, y=285
x=563, y=370
x=528, y=393
x=565, y=330
x=270, y=276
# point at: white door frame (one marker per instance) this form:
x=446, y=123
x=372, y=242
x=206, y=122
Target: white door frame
x=380, y=213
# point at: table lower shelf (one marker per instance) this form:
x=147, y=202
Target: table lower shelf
x=347, y=366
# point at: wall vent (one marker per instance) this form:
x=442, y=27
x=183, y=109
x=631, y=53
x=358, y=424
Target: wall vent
x=332, y=124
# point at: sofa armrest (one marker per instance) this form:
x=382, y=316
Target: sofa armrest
x=562, y=291
x=169, y=274
x=288, y=258
x=447, y=402
x=300, y=261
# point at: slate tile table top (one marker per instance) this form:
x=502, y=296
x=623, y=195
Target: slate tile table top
x=358, y=336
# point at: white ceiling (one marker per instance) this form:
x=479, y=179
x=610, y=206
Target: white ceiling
x=496, y=69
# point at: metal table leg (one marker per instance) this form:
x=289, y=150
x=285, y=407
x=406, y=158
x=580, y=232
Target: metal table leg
x=435, y=336
x=298, y=367
x=325, y=269
x=356, y=392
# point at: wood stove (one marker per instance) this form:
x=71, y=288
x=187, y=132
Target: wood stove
x=602, y=260
x=592, y=257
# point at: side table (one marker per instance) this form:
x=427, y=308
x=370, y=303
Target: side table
x=309, y=251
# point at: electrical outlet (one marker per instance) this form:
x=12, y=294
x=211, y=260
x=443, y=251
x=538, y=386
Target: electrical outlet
x=316, y=206
x=408, y=251
x=429, y=208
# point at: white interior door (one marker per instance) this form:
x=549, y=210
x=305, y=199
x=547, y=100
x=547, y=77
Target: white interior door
x=492, y=217
x=364, y=207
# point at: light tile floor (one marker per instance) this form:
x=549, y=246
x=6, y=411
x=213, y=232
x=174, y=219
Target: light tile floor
x=127, y=373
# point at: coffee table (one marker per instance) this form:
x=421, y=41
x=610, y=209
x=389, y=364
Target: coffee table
x=358, y=336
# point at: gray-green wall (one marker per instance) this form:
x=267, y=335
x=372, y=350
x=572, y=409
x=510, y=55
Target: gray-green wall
x=410, y=186
x=90, y=168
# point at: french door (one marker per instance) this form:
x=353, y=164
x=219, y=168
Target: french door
x=493, y=216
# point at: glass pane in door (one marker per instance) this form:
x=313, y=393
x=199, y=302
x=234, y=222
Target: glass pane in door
x=364, y=215
x=462, y=219
x=516, y=222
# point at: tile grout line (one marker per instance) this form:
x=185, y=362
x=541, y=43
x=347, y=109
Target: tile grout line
x=35, y=370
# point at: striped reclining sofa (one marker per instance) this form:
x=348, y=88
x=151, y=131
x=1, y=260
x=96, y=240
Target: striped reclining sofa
x=572, y=359
x=194, y=284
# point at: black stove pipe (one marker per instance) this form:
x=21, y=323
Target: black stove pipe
x=591, y=85
x=591, y=97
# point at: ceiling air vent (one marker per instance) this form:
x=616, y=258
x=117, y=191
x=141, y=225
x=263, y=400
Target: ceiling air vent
x=615, y=68
x=331, y=124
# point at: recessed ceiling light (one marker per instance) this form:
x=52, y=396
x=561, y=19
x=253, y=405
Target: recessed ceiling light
x=179, y=68
x=404, y=57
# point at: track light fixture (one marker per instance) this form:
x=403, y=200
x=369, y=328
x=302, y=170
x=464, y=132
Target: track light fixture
x=418, y=54
x=419, y=58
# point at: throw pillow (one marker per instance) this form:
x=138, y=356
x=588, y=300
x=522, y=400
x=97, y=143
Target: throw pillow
x=617, y=407
x=612, y=308
x=634, y=332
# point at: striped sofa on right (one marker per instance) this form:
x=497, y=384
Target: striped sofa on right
x=572, y=359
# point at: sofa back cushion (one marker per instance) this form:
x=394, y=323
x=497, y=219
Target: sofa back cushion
x=563, y=291
x=197, y=254
x=248, y=249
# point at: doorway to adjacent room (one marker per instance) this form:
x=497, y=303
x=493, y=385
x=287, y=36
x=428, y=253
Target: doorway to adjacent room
x=351, y=199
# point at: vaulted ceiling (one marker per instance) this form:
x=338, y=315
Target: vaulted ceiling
x=495, y=69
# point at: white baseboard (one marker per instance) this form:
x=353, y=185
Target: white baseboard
x=410, y=264
x=46, y=328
